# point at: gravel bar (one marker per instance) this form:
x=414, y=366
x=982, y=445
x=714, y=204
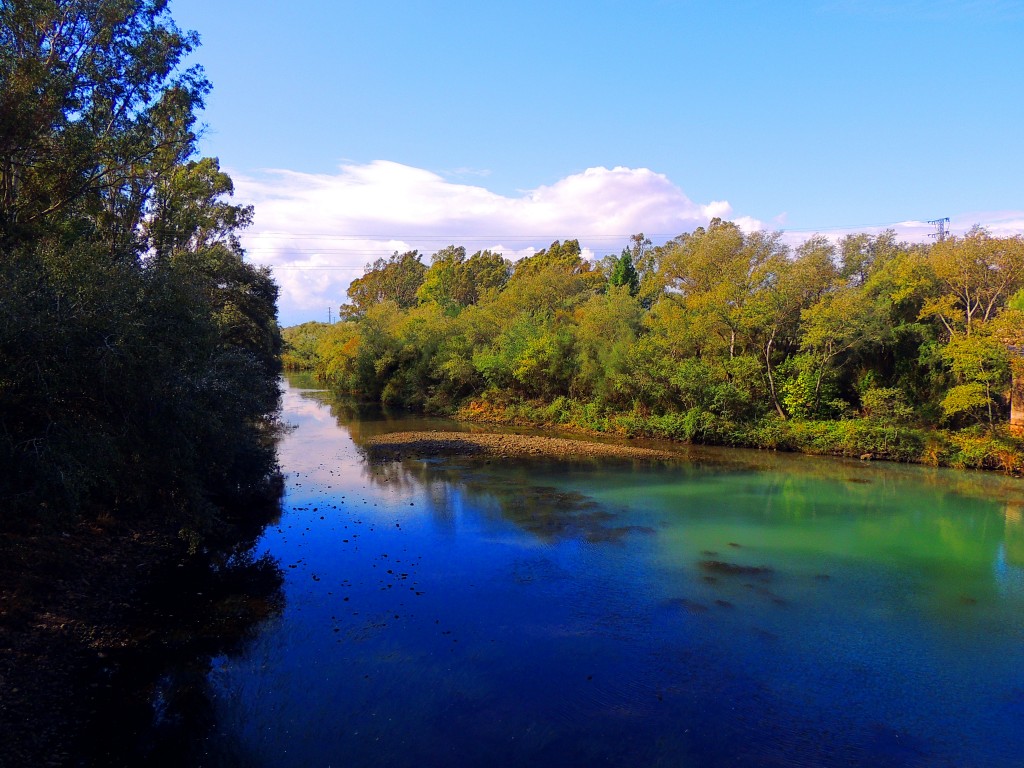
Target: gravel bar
x=426, y=444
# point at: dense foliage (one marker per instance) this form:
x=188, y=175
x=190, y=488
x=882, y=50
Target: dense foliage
x=868, y=345
x=138, y=350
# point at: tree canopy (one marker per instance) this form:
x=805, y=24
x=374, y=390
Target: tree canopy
x=138, y=349
x=717, y=335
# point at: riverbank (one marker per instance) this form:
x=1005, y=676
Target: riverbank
x=977, y=448
x=427, y=444
x=91, y=617
x=65, y=615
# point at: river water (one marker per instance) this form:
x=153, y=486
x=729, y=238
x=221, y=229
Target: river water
x=735, y=609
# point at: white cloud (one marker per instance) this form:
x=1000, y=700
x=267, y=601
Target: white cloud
x=997, y=223
x=317, y=231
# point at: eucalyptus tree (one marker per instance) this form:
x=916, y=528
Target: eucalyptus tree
x=454, y=281
x=397, y=278
x=137, y=349
x=93, y=110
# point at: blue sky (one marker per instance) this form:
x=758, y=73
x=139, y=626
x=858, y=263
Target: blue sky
x=804, y=116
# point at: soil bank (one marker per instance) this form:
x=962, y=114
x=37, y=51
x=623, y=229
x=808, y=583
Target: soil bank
x=426, y=444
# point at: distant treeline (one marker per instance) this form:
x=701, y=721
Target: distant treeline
x=138, y=351
x=868, y=346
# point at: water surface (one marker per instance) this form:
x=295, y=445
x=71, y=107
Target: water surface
x=737, y=609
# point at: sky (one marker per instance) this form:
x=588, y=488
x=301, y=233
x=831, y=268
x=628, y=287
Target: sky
x=360, y=128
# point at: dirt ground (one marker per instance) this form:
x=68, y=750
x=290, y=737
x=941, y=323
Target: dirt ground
x=426, y=444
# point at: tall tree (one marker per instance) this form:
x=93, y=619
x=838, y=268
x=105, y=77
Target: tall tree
x=138, y=351
x=397, y=278
x=978, y=273
x=453, y=281
x=93, y=110
x=624, y=274
x=784, y=287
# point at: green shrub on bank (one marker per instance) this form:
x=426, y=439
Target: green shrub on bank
x=857, y=438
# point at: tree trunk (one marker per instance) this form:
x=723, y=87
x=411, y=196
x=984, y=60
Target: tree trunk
x=771, y=379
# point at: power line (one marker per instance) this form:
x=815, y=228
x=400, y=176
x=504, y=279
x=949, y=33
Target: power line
x=449, y=237
x=365, y=254
x=454, y=238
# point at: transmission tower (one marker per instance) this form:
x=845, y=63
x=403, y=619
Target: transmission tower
x=941, y=228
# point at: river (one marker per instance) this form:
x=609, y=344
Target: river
x=735, y=609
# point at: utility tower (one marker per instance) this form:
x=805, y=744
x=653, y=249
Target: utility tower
x=941, y=228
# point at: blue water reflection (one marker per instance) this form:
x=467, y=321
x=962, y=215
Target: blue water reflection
x=551, y=614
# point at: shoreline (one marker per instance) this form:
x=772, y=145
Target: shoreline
x=91, y=617
x=66, y=615
x=421, y=444
x=1001, y=452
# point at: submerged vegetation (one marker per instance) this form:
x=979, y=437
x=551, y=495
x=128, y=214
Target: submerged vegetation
x=138, y=350
x=868, y=346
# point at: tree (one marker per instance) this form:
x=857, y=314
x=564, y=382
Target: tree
x=442, y=282
x=624, y=274
x=397, y=278
x=93, y=109
x=978, y=273
x=138, y=350
x=714, y=272
x=188, y=211
x=981, y=368
x=841, y=324
x=565, y=257
x=606, y=329
x=849, y=319
x=862, y=254
x=454, y=282
x=784, y=288
x=484, y=274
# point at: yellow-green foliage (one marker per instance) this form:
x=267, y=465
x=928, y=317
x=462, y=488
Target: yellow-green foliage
x=300, y=345
x=865, y=347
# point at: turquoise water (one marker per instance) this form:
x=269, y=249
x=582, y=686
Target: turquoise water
x=736, y=609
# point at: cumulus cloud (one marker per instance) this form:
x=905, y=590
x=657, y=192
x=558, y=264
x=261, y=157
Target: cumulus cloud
x=317, y=231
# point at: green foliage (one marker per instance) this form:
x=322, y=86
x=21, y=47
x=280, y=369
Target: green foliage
x=984, y=450
x=624, y=274
x=810, y=391
x=854, y=438
x=980, y=366
x=454, y=282
x=442, y=283
x=300, y=345
x=532, y=356
x=397, y=278
x=717, y=336
x=139, y=352
x=977, y=273
x=886, y=405
x=567, y=256
x=1016, y=302
x=605, y=329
